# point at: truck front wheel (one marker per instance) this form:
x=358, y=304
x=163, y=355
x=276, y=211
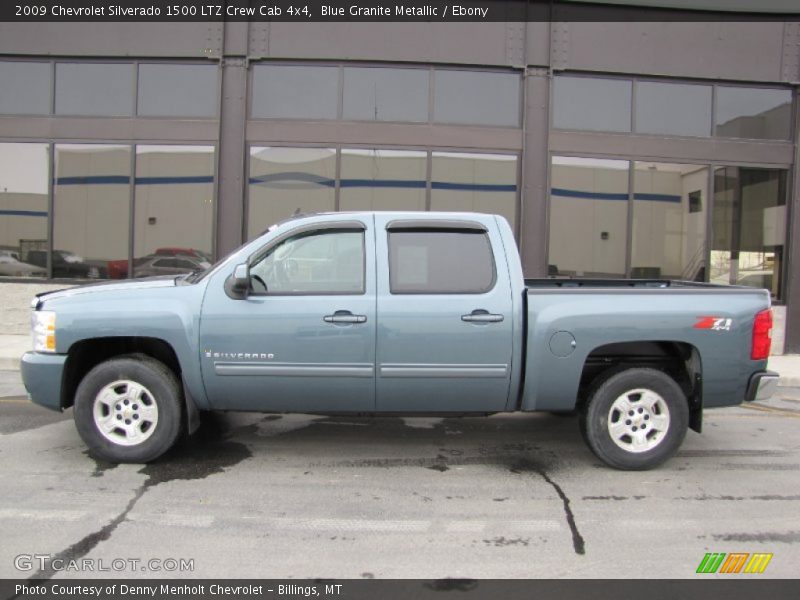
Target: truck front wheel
x=635, y=419
x=128, y=409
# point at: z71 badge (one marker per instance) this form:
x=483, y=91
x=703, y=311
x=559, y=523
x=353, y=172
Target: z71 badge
x=715, y=323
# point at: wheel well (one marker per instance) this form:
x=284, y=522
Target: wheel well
x=87, y=354
x=679, y=360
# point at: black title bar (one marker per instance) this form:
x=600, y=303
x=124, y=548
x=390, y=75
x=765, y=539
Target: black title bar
x=66, y=11
x=733, y=588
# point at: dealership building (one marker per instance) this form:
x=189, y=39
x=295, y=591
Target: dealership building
x=649, y=149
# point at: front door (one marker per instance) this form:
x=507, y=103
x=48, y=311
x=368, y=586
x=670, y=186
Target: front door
x=444, y=303
x=303, y=340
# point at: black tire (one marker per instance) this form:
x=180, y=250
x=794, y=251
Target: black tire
x=161, y=389
x=600, y=413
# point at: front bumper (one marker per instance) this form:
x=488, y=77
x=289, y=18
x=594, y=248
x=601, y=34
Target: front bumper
x=42, y=375
x=762, y=386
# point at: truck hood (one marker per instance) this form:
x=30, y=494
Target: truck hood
x=160, y=281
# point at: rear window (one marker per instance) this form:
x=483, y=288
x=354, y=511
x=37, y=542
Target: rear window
x=440, y=262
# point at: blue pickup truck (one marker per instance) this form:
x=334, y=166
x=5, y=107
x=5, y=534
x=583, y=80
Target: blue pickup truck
x=395, y=313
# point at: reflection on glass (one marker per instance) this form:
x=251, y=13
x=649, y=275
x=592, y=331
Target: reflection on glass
x=673, y=109
x=375, y=94
x=23, y=208
x=588, y=217
x=591, y=104
x=90, y=208
x=325, y=262
x=174, y=209
x=177, y=90
x=287, y=180
x=293, y=92
x=669, y=221
x=94, y=89
x=476, y=98
x=25, y=88
x=475, y=182
x=754, y=113
x=749, y=222
x=374, y=179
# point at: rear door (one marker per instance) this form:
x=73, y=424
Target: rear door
x=445, y=321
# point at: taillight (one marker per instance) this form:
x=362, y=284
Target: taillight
x=762, y=335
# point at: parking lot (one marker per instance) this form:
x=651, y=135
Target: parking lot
x=298, y=496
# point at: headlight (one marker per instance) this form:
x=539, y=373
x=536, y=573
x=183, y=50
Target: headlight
x=43, y=327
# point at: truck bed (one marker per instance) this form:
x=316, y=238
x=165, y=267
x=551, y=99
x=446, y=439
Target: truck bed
x=550, y=282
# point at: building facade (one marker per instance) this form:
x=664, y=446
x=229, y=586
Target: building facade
x=643, y=149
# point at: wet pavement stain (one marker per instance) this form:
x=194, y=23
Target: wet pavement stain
x=789, y=537
x=100, y=466
x=766, y=497
x=440, y=468
x=205, y=453
x=503, y=541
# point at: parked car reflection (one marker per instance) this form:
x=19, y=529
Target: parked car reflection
x=11, y=266
x=118, y=269
x=169, y=265
x=69, y=265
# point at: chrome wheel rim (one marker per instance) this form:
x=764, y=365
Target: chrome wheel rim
x=638, y=420
x=125, y=412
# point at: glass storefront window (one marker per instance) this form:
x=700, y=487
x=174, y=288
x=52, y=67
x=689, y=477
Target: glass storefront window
x=373, y=179
x=673, y=109
x=173, y=211
x=588, y=217
x=91, y=207
x=94, y=89
x=295, y=92
x=23, y=209
x=749, y=224
x=376, y=94
x=586, y=103
x=286, y=180
x=670, y=203
x=476, y=98
x=177, y=90
x=475, y=182
x=754, y=113
x=25, y=89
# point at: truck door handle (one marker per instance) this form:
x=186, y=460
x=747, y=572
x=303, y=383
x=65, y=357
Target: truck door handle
x=344, y=316
x=480, y=315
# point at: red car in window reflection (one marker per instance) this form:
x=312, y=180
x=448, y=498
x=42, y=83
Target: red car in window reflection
x=118, y=269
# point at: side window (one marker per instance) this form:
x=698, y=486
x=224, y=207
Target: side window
x=440, y=262
x=184, y=264
x=316, y=262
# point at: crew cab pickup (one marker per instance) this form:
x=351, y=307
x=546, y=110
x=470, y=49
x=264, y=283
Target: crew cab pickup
x=395, y=313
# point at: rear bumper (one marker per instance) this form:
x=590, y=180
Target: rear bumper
x=762, y=386
x=42, y=374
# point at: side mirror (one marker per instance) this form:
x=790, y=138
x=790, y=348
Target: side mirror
x=237, y=285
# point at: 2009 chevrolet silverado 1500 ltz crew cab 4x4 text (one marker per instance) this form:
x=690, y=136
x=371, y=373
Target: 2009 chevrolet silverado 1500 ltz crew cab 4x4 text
x=395, y=313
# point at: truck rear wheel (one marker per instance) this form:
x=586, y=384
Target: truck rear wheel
x=635, y=419
x=128, y=409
